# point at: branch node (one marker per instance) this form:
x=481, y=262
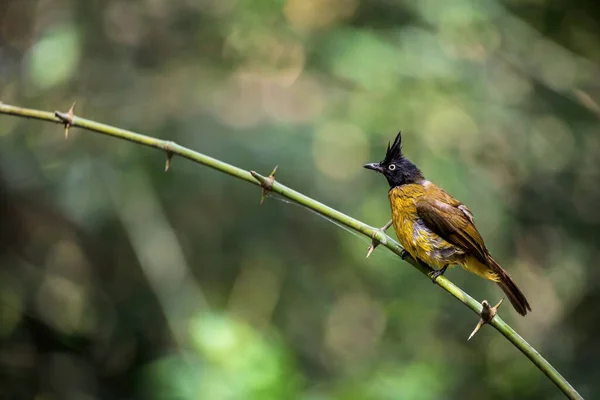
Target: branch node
x=168, y=146
x=67, y=118
x=487, y=315
x=265, y=183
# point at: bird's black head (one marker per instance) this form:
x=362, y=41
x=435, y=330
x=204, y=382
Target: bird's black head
x=395, y=167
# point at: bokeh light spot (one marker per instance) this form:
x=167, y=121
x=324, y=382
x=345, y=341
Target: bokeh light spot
x=336, y=146
x=354, y=326
x=54, y=59
x=308, y=15
x=551, y=142
x=450, y=127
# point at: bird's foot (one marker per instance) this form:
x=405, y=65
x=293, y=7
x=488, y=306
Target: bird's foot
x=375, y=242
x=438, y=273
x=404, y=254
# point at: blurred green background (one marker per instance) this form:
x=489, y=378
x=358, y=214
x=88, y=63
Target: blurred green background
x=120, y=281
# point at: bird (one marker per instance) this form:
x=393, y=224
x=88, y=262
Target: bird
x=435, y=228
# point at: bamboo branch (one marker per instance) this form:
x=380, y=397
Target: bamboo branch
x=269, y=183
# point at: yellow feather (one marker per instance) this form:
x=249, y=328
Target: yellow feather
x=421, y=242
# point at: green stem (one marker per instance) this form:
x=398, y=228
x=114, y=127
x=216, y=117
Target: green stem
x=369, y=231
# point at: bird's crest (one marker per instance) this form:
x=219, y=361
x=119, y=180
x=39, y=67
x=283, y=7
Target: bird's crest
x=394, y=151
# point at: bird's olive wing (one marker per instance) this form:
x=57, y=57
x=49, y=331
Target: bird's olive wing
x=453, y=224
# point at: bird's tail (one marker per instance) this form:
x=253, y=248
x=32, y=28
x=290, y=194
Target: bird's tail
x=510, y=288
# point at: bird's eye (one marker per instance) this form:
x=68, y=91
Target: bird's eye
x=391, y=167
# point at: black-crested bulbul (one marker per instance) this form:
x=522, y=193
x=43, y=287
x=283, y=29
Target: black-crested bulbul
x=437, y=229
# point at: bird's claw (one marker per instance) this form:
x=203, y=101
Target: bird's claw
x=404, y=254
x=436, y=274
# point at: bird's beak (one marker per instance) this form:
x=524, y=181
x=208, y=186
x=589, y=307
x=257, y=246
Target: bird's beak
x=374, y=167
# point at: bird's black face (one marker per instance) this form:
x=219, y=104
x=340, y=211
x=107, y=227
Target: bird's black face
x=395, y=167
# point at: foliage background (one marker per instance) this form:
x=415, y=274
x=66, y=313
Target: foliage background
x=118, y=281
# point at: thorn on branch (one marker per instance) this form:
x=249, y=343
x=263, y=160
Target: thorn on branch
x=265, y=183
x=67, y=118
x=487, y=315
x=168, y=161
x=375, y=242
x=167, y=146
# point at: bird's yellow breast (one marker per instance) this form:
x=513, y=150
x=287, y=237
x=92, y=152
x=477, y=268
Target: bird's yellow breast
x=413, y=235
